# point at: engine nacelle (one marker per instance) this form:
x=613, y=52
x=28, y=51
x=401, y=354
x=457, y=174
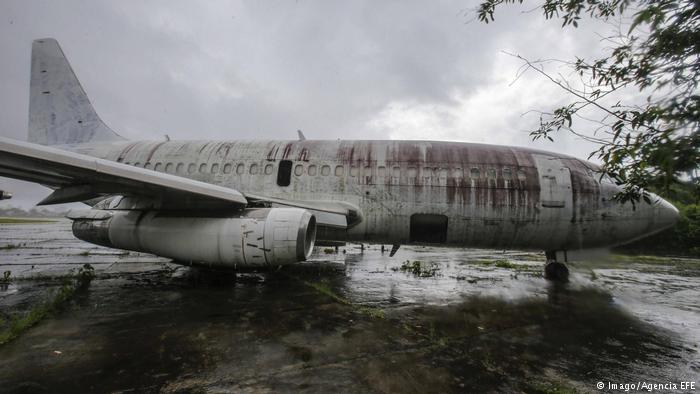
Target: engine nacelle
x=256, y=237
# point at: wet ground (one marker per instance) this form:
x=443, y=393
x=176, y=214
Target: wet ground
x=456, y=321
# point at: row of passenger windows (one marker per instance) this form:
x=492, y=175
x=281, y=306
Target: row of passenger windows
x=505, y=173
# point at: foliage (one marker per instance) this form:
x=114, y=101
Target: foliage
x=6, y=277
x=85, y=275
x=654, y=143
x=418, y=268
x=684, y=237
x=20, y=322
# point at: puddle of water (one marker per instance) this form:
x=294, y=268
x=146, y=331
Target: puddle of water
x=149, y=326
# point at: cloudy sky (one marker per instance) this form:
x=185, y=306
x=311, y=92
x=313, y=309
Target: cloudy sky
x=263, y=69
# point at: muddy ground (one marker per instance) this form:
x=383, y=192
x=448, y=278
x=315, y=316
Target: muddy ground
x=352, y=321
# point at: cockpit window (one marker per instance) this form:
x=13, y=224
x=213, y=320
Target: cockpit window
x=605, y=178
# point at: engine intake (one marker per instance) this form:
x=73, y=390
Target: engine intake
x=256, y=237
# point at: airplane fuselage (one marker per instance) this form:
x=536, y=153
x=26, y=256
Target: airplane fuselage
x=451, y=193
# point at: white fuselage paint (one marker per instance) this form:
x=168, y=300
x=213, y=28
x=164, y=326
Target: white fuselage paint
x=493, y=196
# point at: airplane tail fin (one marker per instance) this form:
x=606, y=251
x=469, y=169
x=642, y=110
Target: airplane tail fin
x=59, y=110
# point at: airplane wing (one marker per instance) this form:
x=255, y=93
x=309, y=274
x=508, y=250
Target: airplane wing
x=77, y=177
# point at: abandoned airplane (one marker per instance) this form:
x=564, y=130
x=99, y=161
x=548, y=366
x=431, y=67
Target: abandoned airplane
x=260, y=203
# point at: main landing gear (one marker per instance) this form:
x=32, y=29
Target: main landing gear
x=555, y=270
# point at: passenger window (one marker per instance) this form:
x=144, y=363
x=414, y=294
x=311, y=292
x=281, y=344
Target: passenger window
x=491, y=173
x=381, y=171
x=214, y=168
x=253, y=169
x=507, y=174
x=326, y=170
x=312, y=170
x=203, y=168
x=158, y=166
x=353, y=171
x=127, y=163
x=179, y=168
x=240, y=168
x=457, y=173
x=396, y=172
x=227, y=168
x=443, y=173
x=474, y=173
x=169, y=168
x=299, y=170
x=412, y=172
x=268, y=169
x=191, y=168
x=339, y=171
x=521, y=175
x=137, y=164
x=284, y=173
x=147, y=165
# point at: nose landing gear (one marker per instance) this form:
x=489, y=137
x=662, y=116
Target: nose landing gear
x=554, y=270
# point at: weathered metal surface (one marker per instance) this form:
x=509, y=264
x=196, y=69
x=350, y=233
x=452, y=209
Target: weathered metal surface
x=79, y=177
x=255, y=237
x=492, y=195
x=59, y=110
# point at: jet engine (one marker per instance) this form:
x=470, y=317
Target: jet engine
x=254, y=237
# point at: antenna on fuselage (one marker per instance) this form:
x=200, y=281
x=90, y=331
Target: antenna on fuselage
x=302, y=137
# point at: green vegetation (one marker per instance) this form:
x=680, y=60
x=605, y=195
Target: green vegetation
x=503, y=263
x=6, y=277
x=418, y=268
x=85, y=275
x=328, y=250
x=10, y=246
x=324, y=288
x=637, y=101
x=684, y=238
x=6, y=220
x=19, y=322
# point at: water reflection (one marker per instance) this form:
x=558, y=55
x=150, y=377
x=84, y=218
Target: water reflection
x=314, y=327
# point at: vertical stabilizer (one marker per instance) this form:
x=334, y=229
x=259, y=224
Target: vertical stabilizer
x=59, y=110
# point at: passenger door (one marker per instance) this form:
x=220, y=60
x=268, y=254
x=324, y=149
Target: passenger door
x=556, y=199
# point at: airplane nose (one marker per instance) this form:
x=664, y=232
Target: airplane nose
x=666, y=214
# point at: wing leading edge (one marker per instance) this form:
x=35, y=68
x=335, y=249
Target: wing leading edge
x=77, y=177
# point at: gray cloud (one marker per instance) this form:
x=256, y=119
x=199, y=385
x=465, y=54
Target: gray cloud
x=334, y=69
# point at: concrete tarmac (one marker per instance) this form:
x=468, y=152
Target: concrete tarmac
x=426, y=320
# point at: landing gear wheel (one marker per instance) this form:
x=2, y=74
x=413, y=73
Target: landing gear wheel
x=556, y=271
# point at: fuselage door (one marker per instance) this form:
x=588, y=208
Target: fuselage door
x=556, y=197
x=555, y=183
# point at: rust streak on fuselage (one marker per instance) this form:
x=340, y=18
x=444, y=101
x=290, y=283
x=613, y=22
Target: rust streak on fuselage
x=491, y=195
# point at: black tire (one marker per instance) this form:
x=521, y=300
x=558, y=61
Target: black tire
x=556, y=271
